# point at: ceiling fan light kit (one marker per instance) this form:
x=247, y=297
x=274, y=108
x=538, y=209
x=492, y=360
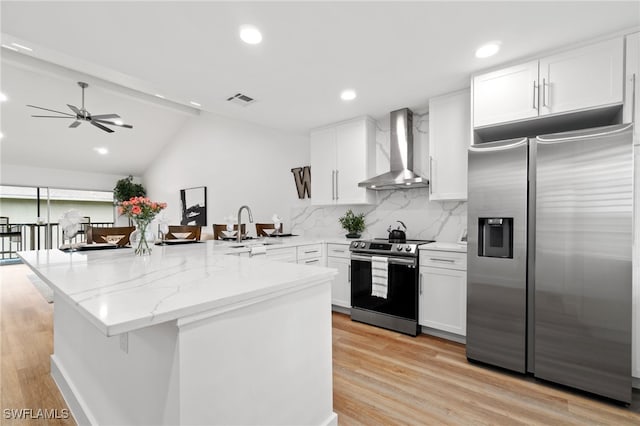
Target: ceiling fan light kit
x=81, y=114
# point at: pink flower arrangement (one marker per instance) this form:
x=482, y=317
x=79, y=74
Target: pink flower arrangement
x=140, y=209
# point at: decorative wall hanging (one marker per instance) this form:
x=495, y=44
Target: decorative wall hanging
x=302, y=177
x=194, y=206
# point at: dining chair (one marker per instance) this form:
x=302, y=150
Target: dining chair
x=13, y=233
x=115, y=234
x=188, y=232
x=217, y=230
x=85, y=223
x=261, y=226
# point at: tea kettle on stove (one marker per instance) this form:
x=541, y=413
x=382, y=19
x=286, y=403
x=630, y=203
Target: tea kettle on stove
x=398, y=235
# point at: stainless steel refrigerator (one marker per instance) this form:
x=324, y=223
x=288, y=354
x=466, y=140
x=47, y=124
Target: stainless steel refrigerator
x=549, y=257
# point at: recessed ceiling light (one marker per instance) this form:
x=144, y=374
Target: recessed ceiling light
x=159, y=96
x=488, y=49
x=9, y=47
x=22, y=47
x=1, y=135
x=3, y=97
x=348, y=95
x=250, y=34
x=195, y=103
x=101, y=150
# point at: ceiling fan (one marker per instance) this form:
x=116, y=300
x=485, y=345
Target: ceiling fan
x=81, y=114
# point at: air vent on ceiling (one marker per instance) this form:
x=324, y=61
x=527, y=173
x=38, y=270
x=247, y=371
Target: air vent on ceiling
x=240, y=99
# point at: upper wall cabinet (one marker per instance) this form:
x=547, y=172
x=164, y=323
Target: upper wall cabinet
x=449, y=120
x=632, y=85
x=342, y=155
x=583, y=78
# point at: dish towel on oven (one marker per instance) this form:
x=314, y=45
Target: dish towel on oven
x=379, y=276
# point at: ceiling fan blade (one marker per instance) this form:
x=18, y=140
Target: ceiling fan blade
x=105, y=116
x=52, y=116
x=52, y=110
x=75, y=124
x=100, y=126
x=111, y=123
x=74, y=109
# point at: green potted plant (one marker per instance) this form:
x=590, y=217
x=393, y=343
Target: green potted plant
x=125, y=189
x=352, y=223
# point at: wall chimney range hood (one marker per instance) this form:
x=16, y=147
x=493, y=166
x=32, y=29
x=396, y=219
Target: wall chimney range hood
x=400, y=156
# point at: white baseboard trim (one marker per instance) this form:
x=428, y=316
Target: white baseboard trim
x=332, y=420
x=68, y=391
x=444, y=334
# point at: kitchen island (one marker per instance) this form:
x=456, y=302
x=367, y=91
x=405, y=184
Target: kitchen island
x=189, y=336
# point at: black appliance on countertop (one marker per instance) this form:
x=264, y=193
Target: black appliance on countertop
x=399, y=309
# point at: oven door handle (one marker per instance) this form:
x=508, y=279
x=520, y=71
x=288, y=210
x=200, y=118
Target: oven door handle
x=391, y=260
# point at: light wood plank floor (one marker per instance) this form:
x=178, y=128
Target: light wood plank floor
x=380, y=377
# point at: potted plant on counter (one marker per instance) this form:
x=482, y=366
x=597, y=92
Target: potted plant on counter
x=352, y=223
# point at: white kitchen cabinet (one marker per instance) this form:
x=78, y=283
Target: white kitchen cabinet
x=443, y=291
x=342, y=155
x=583, y=78
x=632, y=85
x=282, y=254
x=310, y=254
x=505, y=95
x=338, y=258
x=449, y=121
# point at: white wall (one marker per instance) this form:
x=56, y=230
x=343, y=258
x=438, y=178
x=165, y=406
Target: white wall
x=17, y=175
x=239, y=163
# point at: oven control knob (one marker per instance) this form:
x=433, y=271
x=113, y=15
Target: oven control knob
x=408, y=248
x=362, y=245
x=399, y=248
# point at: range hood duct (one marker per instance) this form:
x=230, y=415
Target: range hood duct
x=400, y=156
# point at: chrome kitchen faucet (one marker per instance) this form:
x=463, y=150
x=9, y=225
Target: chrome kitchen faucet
x=239, y=237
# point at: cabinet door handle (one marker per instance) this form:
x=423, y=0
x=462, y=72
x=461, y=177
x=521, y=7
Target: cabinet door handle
x=349, y=275
x=544, y=92
x=337, y=196
x=333, y=184
x=436, y=259
x=430, y=175
x=420, y=282
x=633, y=101
x=311, y=251
x=535, y=90
x=311, y=261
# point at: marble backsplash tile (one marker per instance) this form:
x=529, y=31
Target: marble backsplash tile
x=435, y=220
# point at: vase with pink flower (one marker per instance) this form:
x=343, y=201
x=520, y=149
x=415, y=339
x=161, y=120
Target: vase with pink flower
x=142, y=211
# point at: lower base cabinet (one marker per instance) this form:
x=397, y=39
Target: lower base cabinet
x=443, y=293
x=338, y=258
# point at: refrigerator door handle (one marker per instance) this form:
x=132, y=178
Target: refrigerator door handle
x=606, y=131
x=493, y=146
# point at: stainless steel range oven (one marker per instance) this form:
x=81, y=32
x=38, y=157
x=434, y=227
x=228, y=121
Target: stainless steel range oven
x=396, y=308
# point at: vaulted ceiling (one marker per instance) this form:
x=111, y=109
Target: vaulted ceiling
x=394, y=54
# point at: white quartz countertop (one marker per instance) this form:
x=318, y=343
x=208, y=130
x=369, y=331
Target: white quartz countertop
x=120, y=292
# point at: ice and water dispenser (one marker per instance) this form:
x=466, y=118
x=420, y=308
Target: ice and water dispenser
x=495, y=237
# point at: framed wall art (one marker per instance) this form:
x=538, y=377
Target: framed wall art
x=194, y=206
